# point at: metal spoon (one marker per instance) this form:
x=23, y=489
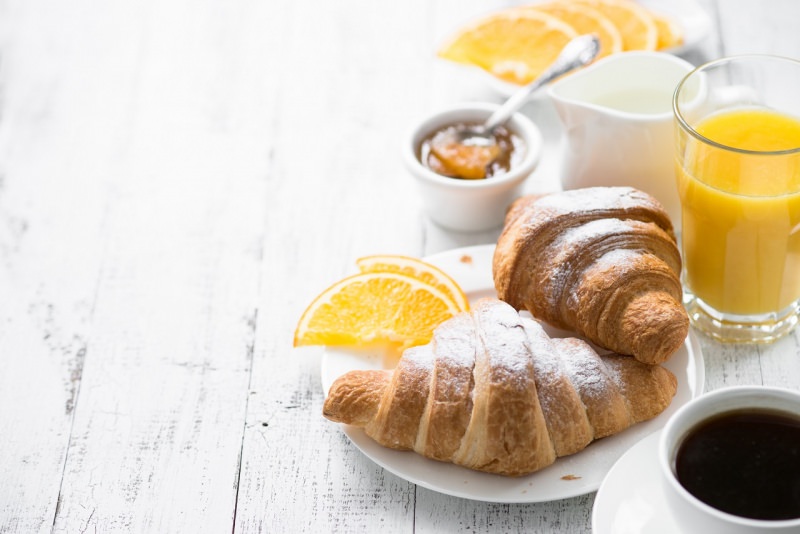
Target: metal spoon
x=577, y=53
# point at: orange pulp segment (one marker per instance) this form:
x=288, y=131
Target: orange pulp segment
x=416, y=268
x=670, y=34
x=515, y=45
x=634, y=23
x=375, y=308
x=585, y=19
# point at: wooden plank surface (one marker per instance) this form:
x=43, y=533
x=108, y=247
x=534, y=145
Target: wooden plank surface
x=177, y=181
x=57, y=150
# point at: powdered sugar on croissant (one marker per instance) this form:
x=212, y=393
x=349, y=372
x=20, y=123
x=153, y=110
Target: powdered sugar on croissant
x=493, y=392
x=600, y=261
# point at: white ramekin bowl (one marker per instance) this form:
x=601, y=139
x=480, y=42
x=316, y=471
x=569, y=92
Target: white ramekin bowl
x=470, y=205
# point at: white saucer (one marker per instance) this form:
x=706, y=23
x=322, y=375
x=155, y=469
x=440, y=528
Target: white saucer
x=630, y=499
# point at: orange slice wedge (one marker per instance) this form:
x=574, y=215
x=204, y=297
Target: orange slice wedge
x=419, y=269
x=375, y=308
x=585, y=19
x=515, y=45
x=634, y=23
x=670, y=33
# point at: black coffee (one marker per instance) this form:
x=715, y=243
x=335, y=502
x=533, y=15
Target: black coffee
x=746, y=463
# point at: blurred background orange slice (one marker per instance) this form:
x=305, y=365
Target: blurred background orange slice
x=670, y=33
x=586, y=19
x=634, y=23
x=515, y=45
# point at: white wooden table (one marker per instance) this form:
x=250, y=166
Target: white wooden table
x=177, y=181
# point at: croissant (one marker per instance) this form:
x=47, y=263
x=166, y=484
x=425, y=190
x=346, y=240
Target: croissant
x=600, y=261
x=493, y=392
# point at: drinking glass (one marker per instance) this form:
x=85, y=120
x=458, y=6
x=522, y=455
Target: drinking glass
x=738, y=176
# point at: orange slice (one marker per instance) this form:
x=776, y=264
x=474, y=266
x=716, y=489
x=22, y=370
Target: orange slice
x=670, y=33
x=635, y=23
x=430, y=274
x=585, y=19
x=374, y=308
x=515, y=45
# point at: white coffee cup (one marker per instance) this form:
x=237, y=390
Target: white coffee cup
x=689, y=512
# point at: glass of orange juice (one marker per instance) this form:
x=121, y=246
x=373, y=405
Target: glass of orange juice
x=738, y=175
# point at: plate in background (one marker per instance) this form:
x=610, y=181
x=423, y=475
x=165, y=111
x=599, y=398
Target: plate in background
x=689, y=14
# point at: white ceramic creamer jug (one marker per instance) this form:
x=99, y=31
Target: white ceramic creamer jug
x=618, y=124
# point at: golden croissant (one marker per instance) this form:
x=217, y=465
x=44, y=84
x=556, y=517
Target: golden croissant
x=599, y=261
x=493, y=392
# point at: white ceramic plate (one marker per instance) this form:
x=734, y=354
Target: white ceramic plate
x=569, y=476
x=630, y=499
x=690, y=15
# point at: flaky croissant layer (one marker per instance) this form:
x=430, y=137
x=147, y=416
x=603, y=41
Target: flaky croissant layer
x=492, y=392
x=600, y=261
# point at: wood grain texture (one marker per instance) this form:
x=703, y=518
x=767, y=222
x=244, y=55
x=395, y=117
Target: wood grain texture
x=55, y=160
x=156, y=439
x=177, y=181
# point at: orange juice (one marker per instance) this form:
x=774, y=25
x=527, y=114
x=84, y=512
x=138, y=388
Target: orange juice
x=741, y=211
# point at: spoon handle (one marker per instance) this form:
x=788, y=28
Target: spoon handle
x=577, y=53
